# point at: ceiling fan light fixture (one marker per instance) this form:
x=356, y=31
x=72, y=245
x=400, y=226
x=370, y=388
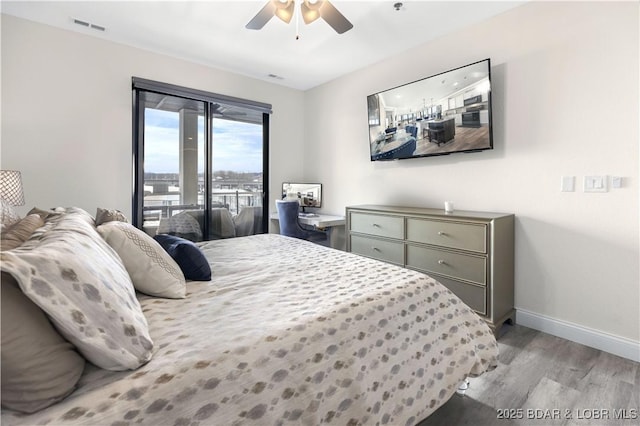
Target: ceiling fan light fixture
x=284, y=9
x=310, y=10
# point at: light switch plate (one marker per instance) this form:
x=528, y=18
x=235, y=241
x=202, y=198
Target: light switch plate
x=568, y=184
x=595, y=184
x=616, y=181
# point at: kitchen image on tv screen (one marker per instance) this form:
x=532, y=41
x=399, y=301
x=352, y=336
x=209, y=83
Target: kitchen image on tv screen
x=442, y=114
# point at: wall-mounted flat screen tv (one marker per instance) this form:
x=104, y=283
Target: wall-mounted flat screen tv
x=442, y=114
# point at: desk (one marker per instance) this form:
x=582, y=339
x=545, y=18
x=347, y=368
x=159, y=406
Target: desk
x=332, y=225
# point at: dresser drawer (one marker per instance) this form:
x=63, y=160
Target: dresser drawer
x=455, y=265
x=464, y=236
x=471, y=253
x=379, y=225
x=388, y=251
x=473, y=296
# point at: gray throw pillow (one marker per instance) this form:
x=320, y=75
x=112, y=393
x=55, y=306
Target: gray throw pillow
x=105, y=215
x=39, y=367
x=16, y=234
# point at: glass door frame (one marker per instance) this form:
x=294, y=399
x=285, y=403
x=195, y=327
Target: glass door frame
x=138, y=128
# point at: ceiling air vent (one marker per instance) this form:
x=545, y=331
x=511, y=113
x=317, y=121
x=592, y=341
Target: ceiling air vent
x=89, y=25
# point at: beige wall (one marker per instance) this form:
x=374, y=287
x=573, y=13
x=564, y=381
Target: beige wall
x=565, y=92
x=66, y=114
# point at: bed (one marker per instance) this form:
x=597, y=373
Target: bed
x=285, y=332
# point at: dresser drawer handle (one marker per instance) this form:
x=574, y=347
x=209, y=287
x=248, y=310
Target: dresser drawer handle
x=375, y=249
x=375, y=225
x=442, y=233
x=441, y=262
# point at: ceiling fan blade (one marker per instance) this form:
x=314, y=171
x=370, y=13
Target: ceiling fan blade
x=334, y=18
x=265, y=14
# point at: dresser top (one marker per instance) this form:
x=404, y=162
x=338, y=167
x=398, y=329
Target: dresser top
x=403, y=210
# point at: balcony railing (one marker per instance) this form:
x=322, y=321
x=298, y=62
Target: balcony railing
x=159, y=206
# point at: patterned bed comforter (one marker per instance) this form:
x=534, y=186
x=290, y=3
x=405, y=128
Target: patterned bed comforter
x=288, y=332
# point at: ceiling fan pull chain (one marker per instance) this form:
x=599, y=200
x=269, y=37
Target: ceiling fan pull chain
x=297, y=27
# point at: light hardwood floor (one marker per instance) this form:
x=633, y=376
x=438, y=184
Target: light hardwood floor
x=466, y=138
x=546, y=380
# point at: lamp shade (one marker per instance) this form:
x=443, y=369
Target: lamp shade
x=11, y=187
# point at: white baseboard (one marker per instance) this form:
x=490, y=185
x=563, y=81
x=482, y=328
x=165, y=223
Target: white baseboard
x=616, y=345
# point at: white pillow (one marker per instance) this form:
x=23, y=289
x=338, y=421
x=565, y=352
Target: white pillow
x=150, y=267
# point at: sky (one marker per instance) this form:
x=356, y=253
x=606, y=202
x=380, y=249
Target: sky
x=236, y=146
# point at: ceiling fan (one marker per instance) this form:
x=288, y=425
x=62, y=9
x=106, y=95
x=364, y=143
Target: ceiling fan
x=310, y=9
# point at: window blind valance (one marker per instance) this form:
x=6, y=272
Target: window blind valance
x=200, y=95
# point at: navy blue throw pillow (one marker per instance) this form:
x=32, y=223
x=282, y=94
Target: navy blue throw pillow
x=187, y=255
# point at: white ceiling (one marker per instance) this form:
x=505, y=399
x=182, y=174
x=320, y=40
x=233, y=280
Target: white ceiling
x=213, y=33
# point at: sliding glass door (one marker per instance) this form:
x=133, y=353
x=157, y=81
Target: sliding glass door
x=237, y=161
x=200, y=163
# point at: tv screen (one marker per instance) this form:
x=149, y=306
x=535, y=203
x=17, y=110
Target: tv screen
x=442, y=114
x=309, y=194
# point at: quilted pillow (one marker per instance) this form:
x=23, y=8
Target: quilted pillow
x=150, y=267
x=19, y=232
x=39, y=367
x=187, y=255
x=73, y=275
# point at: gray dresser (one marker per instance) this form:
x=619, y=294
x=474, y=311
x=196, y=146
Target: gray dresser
x=472, y=253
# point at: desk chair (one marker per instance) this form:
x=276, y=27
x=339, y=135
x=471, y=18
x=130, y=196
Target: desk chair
x=290, y=226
